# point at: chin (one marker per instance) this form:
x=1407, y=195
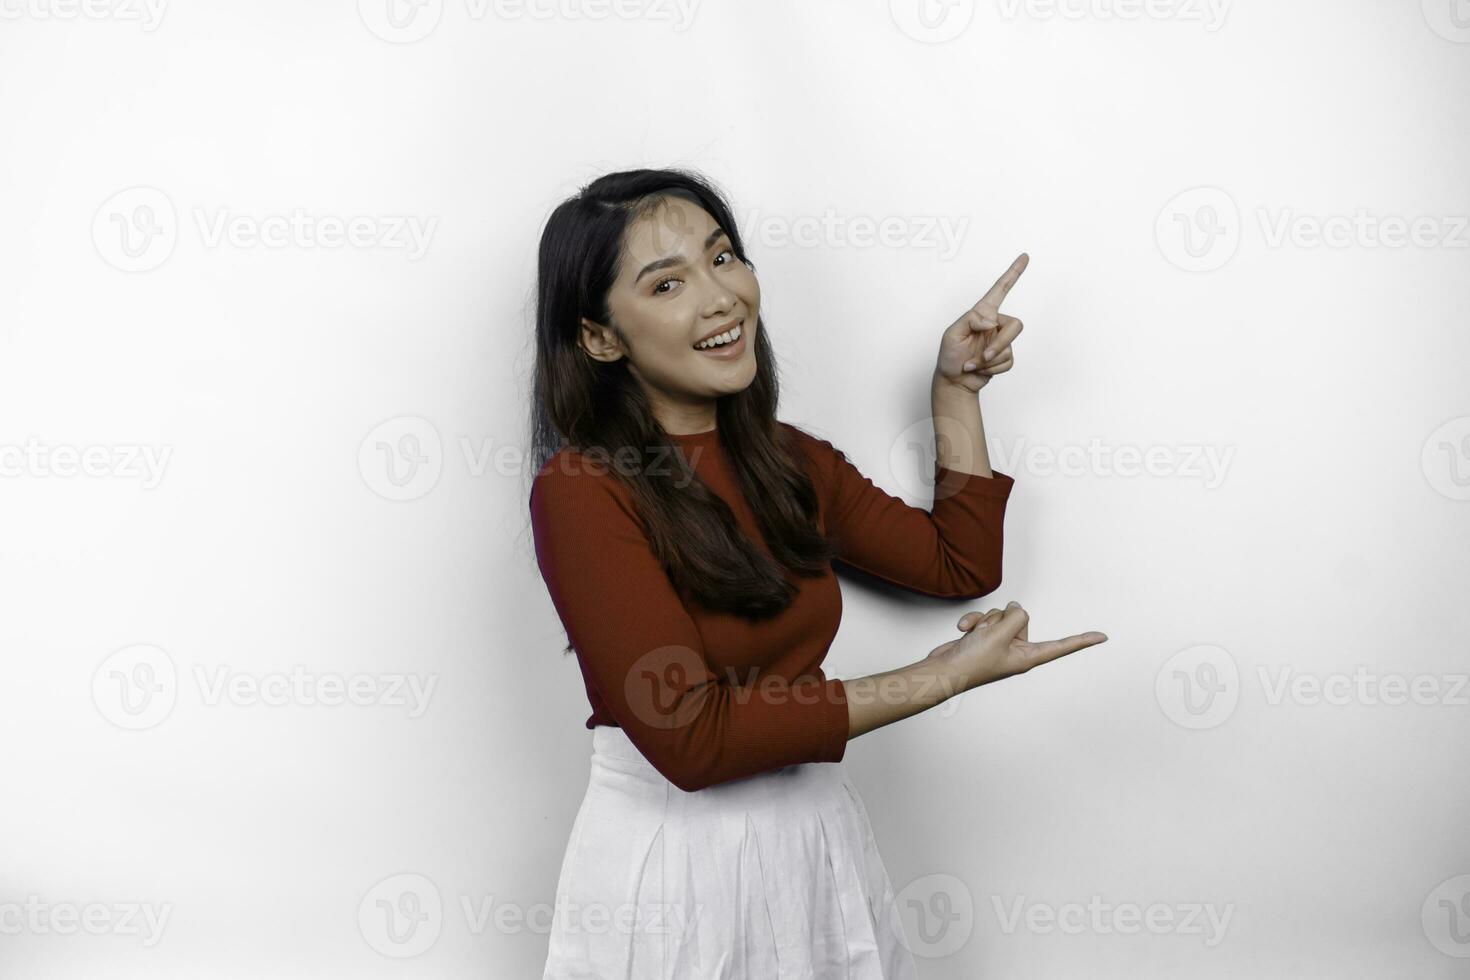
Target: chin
x=734, y=385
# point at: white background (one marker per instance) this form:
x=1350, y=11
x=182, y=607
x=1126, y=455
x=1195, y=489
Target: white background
x=1329, y=379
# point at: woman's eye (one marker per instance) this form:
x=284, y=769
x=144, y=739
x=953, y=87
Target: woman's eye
x=658, y=287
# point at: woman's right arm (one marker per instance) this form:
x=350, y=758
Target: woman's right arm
x=643, y=655
x=995, y=646
x=881, y=699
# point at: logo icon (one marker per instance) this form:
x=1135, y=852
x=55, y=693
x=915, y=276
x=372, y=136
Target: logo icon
x=932, y=21
x=1450, y=19
x=654, y=684
x=402, y=458
x=1446, y=458
x=1446, y=917
x=934, y=915
x=1198, y=687
x=401, y=21
x=135, y=230
x=401, y=916
x=1199, y=229
x=136, y=687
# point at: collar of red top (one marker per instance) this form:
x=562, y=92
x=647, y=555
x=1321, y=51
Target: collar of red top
x=691, y=438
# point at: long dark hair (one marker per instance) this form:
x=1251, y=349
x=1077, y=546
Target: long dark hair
x=599, y=410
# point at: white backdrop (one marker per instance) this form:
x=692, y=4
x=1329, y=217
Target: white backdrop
x=283, y=688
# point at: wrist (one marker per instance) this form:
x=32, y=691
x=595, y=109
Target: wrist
x=950, y=677
x=950, y=388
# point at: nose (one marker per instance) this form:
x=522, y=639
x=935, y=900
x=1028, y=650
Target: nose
x=719, y=301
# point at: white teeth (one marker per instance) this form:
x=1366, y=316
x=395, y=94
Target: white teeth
x=729, y=336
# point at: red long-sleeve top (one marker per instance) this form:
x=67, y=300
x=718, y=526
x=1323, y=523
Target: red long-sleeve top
x=709, y=696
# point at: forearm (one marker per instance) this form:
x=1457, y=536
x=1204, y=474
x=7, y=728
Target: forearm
x=881, y=699
x=959, y=431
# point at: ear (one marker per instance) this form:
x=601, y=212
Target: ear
x=600, y=343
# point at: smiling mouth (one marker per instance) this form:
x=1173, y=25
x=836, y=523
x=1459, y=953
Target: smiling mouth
x=727, y=339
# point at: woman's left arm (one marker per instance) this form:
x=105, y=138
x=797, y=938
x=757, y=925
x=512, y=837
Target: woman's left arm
x=953, y=550
x=973, y=349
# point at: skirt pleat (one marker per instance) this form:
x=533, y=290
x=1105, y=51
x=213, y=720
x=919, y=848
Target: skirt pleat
x=776, y=877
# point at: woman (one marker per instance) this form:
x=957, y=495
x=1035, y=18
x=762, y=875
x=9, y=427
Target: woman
x=686, y=538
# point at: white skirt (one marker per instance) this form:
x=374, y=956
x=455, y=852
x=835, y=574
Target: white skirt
x=772, y=877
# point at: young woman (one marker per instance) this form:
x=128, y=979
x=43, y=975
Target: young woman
x=686, y=537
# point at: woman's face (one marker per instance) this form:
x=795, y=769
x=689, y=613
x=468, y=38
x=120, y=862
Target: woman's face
x=679, y=282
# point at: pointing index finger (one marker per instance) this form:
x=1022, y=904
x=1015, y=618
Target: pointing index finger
x=1055, y=649
x=992, y=299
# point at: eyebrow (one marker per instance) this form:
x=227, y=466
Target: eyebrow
x=713, y=237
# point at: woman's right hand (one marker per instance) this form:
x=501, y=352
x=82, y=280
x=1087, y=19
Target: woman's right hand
x=995, y=646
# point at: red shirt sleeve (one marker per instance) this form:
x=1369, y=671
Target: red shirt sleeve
x=953, y=550
x=641, y=650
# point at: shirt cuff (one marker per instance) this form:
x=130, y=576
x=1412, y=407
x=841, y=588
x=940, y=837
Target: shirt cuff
x=834, y=720
x=948, y=483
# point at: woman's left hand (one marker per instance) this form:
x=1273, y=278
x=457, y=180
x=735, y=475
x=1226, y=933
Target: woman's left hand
x=977, y=346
